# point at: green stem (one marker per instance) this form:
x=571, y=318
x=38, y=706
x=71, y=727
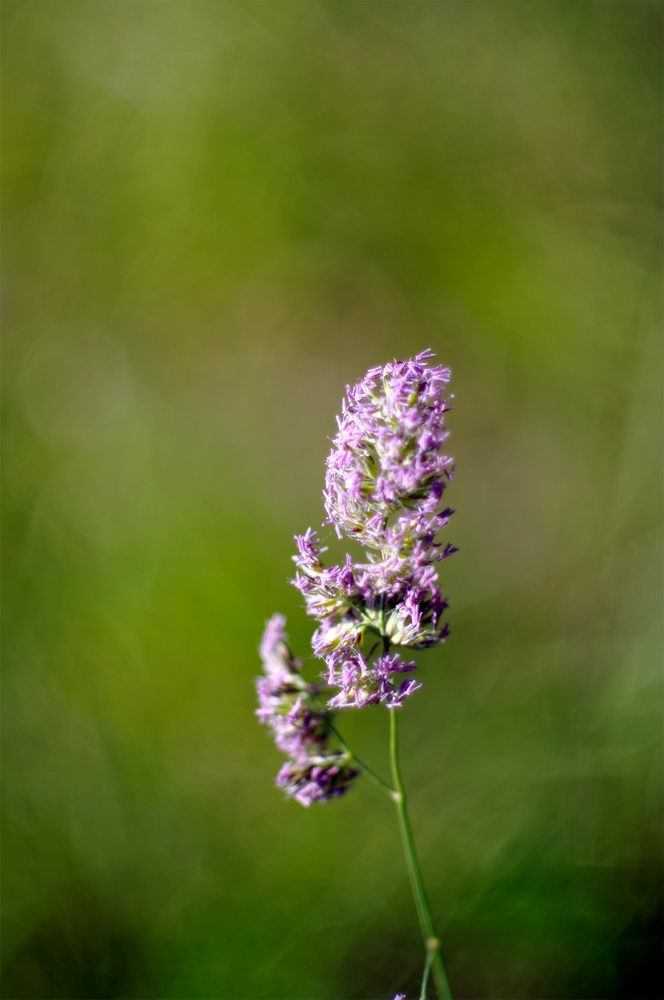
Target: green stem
x=371, y=774
x=425, y=976
x=431, y=942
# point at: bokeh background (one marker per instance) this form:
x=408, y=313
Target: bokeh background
x=215, y=216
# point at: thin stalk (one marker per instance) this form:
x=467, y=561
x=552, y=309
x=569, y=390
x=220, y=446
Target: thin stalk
x=370, y=773
x=431, y=942
x=425, y=975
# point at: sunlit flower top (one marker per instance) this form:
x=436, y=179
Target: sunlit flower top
x=386, y=457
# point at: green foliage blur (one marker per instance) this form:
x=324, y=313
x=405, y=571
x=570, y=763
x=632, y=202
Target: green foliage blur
x=216, y=214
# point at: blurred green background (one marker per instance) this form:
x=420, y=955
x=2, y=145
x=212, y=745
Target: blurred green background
x=216, y=215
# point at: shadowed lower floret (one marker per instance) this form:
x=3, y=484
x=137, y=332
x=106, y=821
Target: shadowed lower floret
x=296, y=712
x=316, y=779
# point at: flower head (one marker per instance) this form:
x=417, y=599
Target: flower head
x=385, y=479
x=384, y=485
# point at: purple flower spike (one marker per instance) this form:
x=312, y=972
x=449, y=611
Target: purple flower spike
x=385, y=480
x=384, y=485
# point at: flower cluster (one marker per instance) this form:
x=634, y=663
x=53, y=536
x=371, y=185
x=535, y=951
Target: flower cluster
x=384, y=484
x=295, y=712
